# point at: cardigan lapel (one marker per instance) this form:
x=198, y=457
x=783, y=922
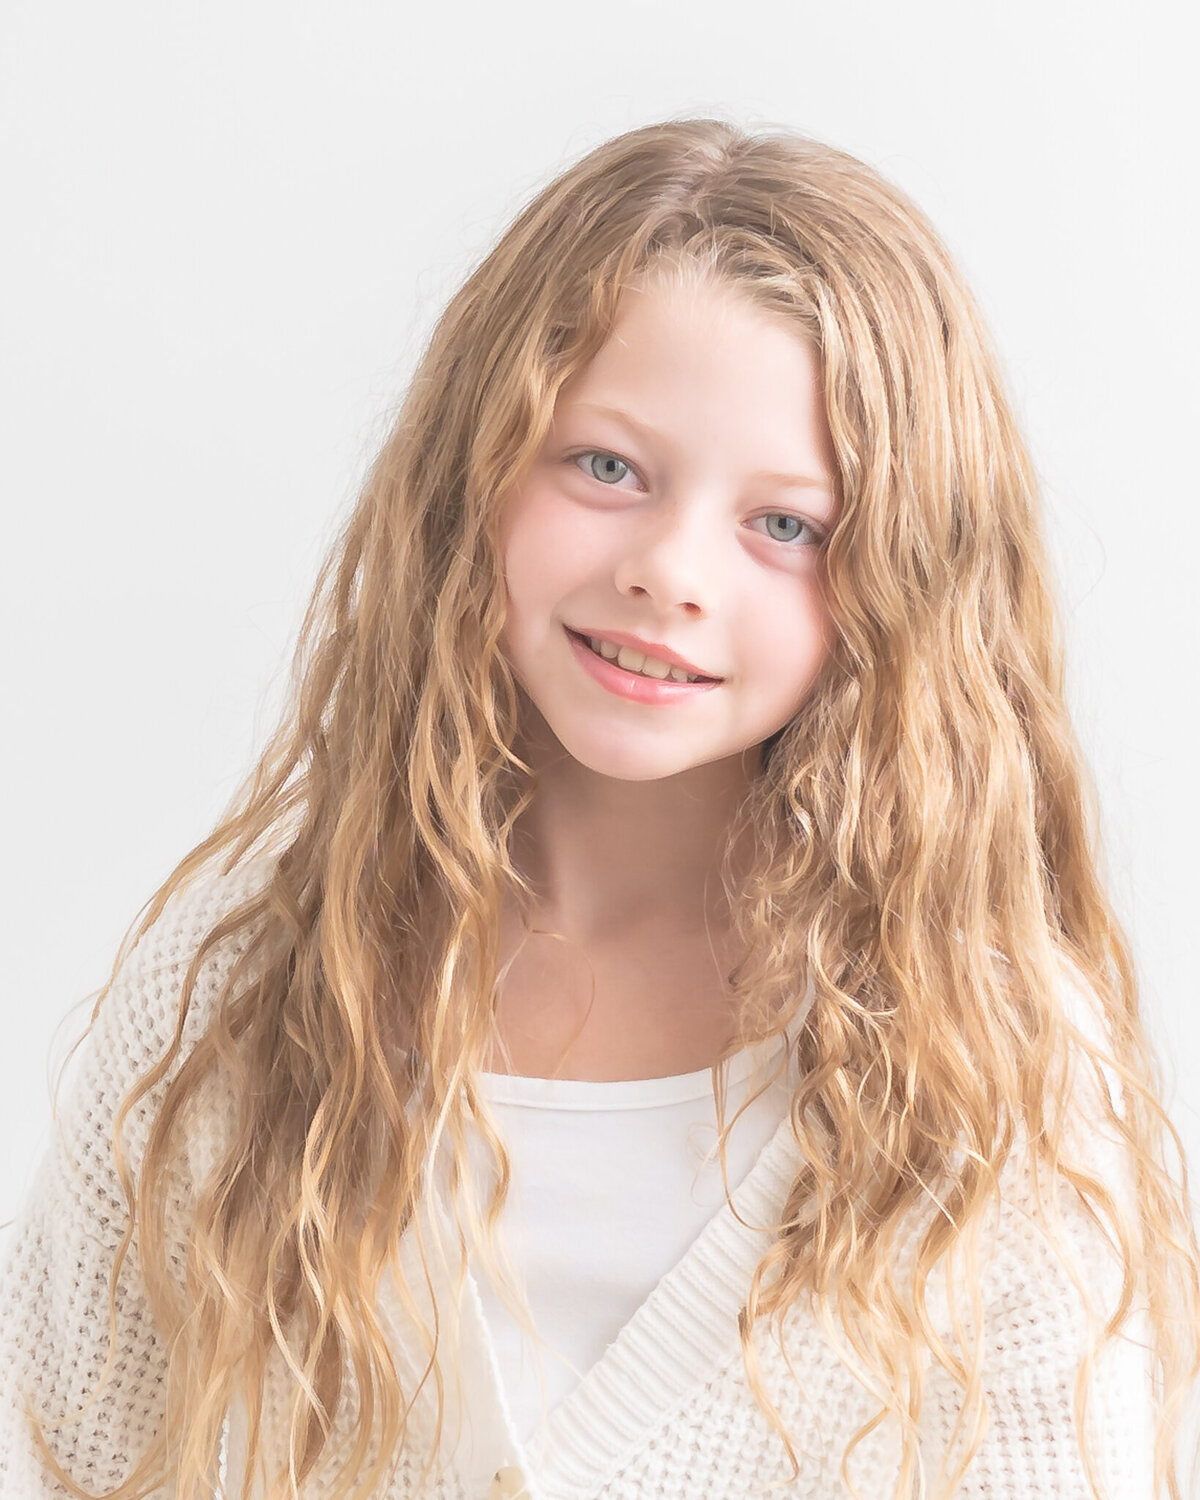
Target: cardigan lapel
x=684, y=1332
x=477, y=1438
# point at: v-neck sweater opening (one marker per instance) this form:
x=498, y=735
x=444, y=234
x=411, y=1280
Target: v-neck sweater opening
x=682, y=1334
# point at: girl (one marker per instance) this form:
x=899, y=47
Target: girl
x=651, y=1024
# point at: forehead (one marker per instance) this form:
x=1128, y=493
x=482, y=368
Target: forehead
x=694, y=331
x=704, y=367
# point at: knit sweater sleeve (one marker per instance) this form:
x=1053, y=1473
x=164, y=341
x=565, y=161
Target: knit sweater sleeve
x=54, y=1287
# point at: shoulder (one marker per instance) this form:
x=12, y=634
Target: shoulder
x=1081, y=1003
x=1044, y=1205
x=142, y=1003
x=135, y=1022
x=1089, y=1031
x=1043, y=1210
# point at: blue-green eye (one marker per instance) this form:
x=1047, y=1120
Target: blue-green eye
x=792, y=525
x=606, y=467
x=788, y=521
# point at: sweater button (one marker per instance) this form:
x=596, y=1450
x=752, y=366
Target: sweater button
x=508, y=1483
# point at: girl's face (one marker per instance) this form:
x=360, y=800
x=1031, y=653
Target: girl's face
x=676, y=508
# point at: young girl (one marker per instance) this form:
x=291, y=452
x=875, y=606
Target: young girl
x=650, y=1025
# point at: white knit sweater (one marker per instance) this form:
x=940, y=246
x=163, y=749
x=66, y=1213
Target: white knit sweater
x=667, y=1412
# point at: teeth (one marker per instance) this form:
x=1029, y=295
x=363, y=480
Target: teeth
x=638, y=661
x=631, y=660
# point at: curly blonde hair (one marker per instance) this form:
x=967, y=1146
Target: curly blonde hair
x=924, y=855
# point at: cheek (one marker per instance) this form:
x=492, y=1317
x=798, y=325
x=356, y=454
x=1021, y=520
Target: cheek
x=546, y=547
x=520, y=550
x=790, y=637
x=540, y=554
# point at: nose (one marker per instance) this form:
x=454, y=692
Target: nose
x=672, y=558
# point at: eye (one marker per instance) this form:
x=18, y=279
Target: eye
x=792, y=527
x=606, y=467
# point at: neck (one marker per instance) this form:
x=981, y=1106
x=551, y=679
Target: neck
x=605, y=856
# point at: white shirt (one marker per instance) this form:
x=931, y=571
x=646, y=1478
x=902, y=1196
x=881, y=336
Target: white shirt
x=611, y=1184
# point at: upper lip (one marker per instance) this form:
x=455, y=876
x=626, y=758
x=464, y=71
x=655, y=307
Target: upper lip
x=649, y=648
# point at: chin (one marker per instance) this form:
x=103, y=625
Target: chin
x=629, y=767
x=623, y=760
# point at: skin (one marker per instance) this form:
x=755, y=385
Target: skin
x=669, y=531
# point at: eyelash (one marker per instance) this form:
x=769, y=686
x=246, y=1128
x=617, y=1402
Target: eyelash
x=818, y=535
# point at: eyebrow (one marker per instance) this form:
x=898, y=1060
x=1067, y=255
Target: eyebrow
x=790, y=481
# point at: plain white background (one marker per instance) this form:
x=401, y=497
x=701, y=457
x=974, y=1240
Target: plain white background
x=230, y=228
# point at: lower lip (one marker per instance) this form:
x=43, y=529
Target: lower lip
x=628, y=684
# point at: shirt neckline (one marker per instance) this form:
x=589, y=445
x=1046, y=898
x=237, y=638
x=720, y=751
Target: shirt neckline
x=628, y=1093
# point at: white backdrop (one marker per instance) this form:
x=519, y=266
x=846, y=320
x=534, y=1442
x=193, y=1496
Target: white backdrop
x=231, y=226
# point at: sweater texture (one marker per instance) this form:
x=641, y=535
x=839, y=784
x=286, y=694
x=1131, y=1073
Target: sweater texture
x=666, y=1412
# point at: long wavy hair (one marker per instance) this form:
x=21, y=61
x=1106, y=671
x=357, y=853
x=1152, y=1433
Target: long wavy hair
x=925, y=854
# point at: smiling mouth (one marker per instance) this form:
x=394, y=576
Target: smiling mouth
x=637, y=663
